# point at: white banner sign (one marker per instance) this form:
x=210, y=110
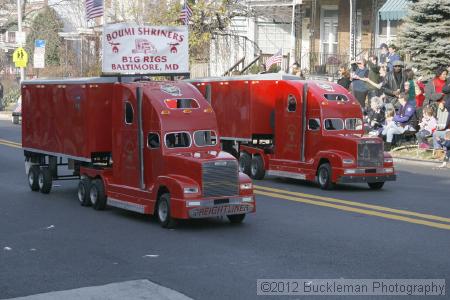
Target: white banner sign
x=143, y=49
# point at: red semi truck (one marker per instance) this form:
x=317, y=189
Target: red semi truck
x=148, y=147
x=282, y=126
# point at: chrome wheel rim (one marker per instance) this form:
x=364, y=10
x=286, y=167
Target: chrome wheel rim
x=254, y=168
x=93, y=195
x=81, y=192
x=31, y=177
x=163, y=210
x=241, y=166
x=323, y=176
x=41, y=180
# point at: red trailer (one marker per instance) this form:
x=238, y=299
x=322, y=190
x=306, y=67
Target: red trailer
x=282, y=126
x=149, y=147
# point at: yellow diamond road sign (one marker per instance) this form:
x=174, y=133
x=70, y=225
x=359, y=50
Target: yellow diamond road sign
x=20, y=57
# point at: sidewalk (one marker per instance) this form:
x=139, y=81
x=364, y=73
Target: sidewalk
x=5, y=115
x=414, y=155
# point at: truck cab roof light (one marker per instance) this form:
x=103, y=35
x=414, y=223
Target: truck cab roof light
x=165, y=112
x=187, y=111
x=208, y=110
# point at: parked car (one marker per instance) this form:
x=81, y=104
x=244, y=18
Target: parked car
x=16, y=115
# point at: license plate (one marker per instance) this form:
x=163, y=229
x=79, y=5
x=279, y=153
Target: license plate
x=220, y=210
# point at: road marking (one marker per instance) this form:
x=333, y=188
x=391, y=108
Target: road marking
x=356, y=210
x=10, y=144
x=359, y=204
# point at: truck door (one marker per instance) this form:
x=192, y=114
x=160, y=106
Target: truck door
x=125, y=139
x=288, y=126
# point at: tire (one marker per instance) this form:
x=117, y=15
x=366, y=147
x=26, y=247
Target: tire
x=324, y=177
x=163, y=212
x=45, y=180
x=83, y=192
x=375, y=185
x=257, y=168
x=33, y=174
x=245, y=163
x=236, y=219
x=97, y=196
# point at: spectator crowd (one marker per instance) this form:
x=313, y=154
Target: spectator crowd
x=399, y=106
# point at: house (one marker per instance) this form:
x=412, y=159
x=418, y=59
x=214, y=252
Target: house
x=319, y=34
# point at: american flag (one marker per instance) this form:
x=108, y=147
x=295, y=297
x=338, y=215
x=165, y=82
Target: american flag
x=94, y=9
x=274, y=59
x=186, y=13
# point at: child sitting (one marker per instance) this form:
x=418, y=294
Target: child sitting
x=445, y=142
x=427, y=127
x=376, y=116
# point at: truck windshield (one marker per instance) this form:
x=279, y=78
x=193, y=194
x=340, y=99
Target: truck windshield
x=178, y=140
x=353, y=124
x=203, y=138
x=333, y=124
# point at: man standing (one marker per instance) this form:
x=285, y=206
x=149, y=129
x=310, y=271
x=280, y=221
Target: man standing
x=374, y=75
x=392, y=57
x=394, y=84
x=384, y=53
x=359, y=86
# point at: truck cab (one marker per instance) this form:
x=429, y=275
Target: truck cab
x=286, y=127
x=152, y=148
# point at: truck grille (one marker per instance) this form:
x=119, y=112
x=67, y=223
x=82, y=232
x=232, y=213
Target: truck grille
x=220, y=178
x=370, y=154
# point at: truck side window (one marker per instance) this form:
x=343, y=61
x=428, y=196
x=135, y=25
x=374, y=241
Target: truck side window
x=153, y=140
x=205, y=138
x=292, y=103
x=128, y=113
x=314, y=124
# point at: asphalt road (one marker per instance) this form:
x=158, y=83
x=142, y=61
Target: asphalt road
x=51, y=243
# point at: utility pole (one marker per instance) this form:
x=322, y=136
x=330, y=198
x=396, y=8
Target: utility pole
x=19, y=25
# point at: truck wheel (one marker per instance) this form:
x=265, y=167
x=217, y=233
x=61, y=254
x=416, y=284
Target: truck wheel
x=97, y=195
x=257, y=168
x=83, y=192
x=375, y=185
x=45, y=180
x=33, y=173
x=324, y=177
x=236, y=219
x=245, y=163
x=163, y=212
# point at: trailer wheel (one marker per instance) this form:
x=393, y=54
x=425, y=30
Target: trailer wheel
x=257, y=168
x=324, y=177
x=97, y=194
x=83, y=192
x=375, y=185
x=45, y=180
x=236, y=219
x=163, y=212
x=33, y=173
x=245, y=163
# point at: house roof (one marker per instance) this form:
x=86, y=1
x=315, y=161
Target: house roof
x=393, y=10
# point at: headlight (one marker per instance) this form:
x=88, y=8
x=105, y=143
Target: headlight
x=389, y=160
x=247, y=199
x=192, y=203
x=348, y=161
x=190, y=190
x=246, y=186
x=388, y=170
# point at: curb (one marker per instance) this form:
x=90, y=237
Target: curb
x=416, y=161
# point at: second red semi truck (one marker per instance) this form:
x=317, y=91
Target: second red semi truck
x=148, y=147
x=282, y=126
